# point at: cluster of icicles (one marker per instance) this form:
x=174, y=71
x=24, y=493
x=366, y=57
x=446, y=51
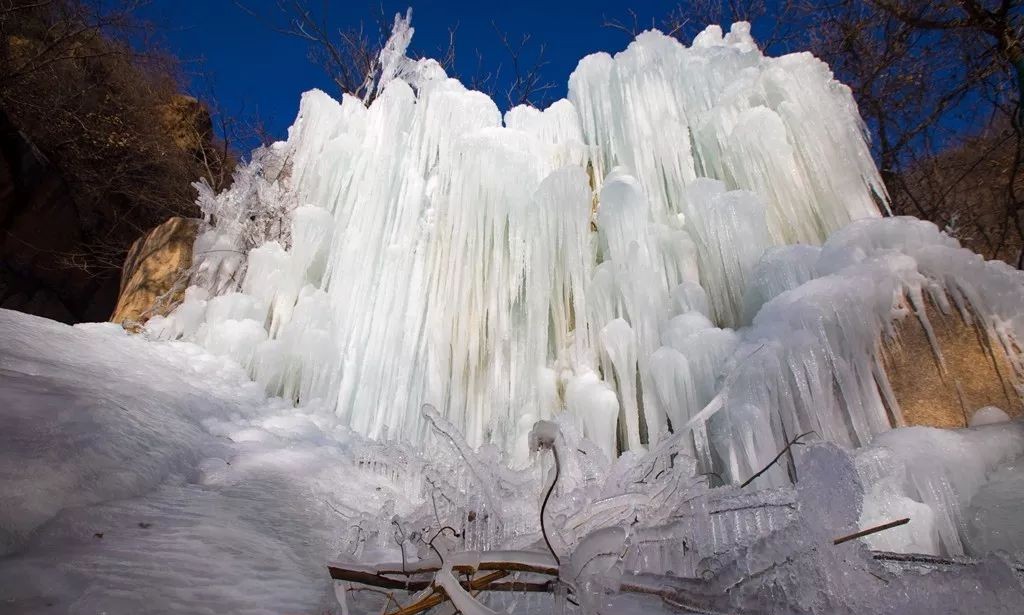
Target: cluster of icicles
x=648, y=255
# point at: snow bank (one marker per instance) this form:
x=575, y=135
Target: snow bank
x=91, y=414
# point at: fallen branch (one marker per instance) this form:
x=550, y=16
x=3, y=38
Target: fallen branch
x=932, y=560
x=871, y=530
x=375, y=580
x=683, y=594
x=393, y=575
x=439, y=596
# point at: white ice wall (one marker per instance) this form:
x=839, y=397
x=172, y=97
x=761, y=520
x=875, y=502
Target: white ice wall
x=582, y=258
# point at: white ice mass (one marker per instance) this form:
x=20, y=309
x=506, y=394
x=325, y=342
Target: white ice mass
x=402, y=314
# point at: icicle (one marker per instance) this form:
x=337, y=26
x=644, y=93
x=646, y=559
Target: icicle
x=417, y=251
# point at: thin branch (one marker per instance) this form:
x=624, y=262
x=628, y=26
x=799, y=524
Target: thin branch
x=543, y=507
x=871, y=530
x=795, y=440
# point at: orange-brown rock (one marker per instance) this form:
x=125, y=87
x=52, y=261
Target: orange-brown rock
x=187, y=122
x=977, y=372
x=155, y=272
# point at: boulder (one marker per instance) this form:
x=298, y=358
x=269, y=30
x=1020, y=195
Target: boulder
x=155, y=273
x=974, y=371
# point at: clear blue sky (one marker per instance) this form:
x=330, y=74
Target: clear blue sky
x=254, y=70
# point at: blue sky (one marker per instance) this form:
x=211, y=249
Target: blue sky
x=255, y=71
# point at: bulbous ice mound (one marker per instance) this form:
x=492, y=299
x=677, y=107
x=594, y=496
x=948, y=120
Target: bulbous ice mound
x=644, y=256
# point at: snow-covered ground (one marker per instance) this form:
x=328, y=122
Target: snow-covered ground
x=148, y=476
x=144, y=477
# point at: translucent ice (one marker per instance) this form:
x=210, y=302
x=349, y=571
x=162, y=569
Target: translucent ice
x=425, y=249
x=688, y=248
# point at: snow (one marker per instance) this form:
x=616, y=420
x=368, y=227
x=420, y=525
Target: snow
x=989, y=415
x=160, y=477
x=155, y=476
x=665, y=280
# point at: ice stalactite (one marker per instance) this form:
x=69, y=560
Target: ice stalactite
x=623, y=256
x=780, y=127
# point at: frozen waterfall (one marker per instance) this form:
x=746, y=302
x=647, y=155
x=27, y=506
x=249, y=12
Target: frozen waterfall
x=651, y=255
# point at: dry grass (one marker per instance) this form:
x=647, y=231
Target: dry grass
x=977, y=373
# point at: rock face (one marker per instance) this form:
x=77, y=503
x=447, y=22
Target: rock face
x=60, y=244
x=40, y=225
x=976, y=372
x=188, y=123
x=155, y=272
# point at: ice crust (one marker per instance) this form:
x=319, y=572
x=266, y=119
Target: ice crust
x=404, y=314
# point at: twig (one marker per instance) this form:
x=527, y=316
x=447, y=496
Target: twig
x=399, y=536
x=454, y=532
x=438, y=597
x=871, y=530
x=934, y=560
x=776, y=459
x=543, y=507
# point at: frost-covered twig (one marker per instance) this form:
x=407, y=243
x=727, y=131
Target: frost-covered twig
x=445, y=428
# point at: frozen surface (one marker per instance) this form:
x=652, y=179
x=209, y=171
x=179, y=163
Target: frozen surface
x=994, y=520
x=153, y=476
x=955, y=485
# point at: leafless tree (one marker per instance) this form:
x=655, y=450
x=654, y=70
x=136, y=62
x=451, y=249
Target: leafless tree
x=992, y=61
x=527, y=84
x=82, y=81
x=348, y=55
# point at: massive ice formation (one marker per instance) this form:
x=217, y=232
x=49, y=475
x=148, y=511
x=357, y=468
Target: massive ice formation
x=659, y=253
x=663, y=280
